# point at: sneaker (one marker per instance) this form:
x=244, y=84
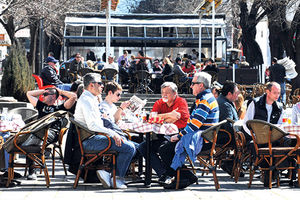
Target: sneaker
x=104, y=177
x=32, y=176
x=120, y=183
x=164, y=179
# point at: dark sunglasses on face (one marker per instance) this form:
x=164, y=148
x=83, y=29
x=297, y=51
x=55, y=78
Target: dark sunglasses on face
x=118, y=95
x=47, y=94
x=194, y=83
x=99, y=83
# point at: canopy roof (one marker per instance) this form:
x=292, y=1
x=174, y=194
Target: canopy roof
x=161, y=30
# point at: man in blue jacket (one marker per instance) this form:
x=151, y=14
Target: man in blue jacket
x=204, y=115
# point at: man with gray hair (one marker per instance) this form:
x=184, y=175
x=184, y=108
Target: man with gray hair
x=173, y=109
x=88, y=113
x=204, y=115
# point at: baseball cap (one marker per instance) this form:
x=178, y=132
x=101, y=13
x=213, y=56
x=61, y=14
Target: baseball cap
x=51, y=59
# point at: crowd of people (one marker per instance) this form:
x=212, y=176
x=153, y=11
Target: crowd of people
x=160, y=70
x=212, y=104
x=102, y=115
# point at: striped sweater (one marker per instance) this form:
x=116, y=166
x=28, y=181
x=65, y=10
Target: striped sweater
x=204, y=115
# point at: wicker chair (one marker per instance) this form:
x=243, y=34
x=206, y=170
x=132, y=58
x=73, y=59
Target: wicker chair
x=264, y=135
x=241, y=152
x=88, y=158
x=16, y=144
x=206, y=158
x=143, y=78
x=108, y=75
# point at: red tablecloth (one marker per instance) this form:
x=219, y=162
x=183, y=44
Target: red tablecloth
x=166, y=129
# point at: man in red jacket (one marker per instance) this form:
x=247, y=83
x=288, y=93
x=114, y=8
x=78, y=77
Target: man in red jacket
x=173, y=109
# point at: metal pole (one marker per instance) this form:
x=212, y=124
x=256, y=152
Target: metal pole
x=108, y=16
x=41, y=46
x=213, y=31
x=233, y=72
x=200, y=36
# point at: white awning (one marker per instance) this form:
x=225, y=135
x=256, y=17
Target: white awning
x=97, y=21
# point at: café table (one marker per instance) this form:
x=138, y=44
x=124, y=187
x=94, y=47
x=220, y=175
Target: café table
x=148, y=129
x=7, y=128
x=291, y=128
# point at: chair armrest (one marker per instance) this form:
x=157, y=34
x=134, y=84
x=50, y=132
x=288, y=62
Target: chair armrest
x=61, y=134
x=229, y=135
x=127, y=133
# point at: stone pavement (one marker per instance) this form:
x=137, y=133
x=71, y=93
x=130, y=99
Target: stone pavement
x=61, y=188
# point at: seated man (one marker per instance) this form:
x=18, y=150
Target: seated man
x=268, y=109
x=87, y=112
x=173, y=109
x=76, y=65
x=204, y=115
x=46, y=107
x=50, y=77
x=265, y=108
x=229, y=94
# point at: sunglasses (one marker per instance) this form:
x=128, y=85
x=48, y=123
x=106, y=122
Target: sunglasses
x=99, y=83
x=118, y=95
x=47, y=94
x=78, y=57
x=194, y=83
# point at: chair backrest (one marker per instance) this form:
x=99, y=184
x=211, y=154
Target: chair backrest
x=38, y=128
x=214, y=75
x=110, y=74
x=39, y=81
x=28, y=114
x=210, y=133
x=142, y=75
x=84, y=71
x=84, y=131
x=261, y=131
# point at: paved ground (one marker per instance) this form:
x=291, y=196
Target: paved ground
x=61, y=188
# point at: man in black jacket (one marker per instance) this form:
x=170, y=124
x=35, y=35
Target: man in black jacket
x=277, y=74
x=50, y=77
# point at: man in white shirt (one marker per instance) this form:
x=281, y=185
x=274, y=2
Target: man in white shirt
x=111, y=64
x=87, y=112
x=265, y=108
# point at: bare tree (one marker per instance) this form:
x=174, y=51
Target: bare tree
x=19, y=14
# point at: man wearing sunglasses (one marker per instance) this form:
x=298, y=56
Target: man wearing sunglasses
x=47, y=106
x=113, y=92
x=50, y=96
x=87, y=112
x=204, y=115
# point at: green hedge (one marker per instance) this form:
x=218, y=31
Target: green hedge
x=17, y=75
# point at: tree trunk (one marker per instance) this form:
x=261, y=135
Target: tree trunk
x=248, y=22
x=52, y=44
x=33, y=57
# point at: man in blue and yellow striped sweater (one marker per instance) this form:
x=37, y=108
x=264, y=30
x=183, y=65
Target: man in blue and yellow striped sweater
x=204, y=115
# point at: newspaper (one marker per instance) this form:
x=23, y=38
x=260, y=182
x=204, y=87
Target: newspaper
x=136, y=104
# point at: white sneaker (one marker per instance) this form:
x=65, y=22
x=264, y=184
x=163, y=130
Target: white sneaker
x=104, y=177
x=120, y=184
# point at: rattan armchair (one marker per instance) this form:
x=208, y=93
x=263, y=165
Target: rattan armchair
x=88, y=158
x=206, y=158
x=264, y=136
